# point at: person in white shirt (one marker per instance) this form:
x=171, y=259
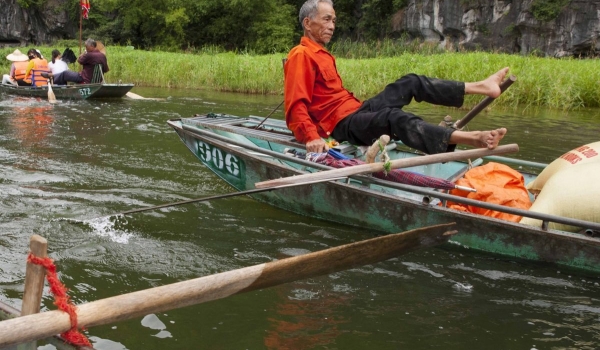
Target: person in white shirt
x=57, y=65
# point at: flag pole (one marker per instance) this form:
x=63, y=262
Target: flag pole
x=80, y=25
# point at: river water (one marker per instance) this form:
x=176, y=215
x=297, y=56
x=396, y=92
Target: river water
x=85, y=160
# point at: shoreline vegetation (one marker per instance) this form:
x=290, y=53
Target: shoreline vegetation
x=563, y=84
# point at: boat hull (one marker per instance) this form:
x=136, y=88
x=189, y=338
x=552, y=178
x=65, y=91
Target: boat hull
x=70, y=92
x=359, y=205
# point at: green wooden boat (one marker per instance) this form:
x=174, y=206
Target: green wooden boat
x=242, y=155
x=70, y=92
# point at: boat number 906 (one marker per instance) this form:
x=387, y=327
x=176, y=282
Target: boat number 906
x=218, y=159
x=85, y=91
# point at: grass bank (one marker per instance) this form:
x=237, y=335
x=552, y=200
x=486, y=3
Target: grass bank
x=542, y=82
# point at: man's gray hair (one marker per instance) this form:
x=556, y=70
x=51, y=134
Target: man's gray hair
x=310, y=8
x=90, y=42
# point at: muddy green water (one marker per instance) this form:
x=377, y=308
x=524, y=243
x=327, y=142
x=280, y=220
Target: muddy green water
x=89, y=159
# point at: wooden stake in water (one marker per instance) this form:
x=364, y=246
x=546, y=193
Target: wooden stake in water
x=34, y=284
x=34, y=277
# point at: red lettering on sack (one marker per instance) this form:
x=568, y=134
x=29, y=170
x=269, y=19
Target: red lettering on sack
x=590, y=153
x=571, y=158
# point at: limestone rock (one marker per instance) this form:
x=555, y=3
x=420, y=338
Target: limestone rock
x=503, y=26
x=33, y=26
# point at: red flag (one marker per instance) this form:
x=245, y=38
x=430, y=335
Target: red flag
x=85, y=8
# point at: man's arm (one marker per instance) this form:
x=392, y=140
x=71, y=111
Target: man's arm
x=299, y=84
x=82, y=60
x=104, y=64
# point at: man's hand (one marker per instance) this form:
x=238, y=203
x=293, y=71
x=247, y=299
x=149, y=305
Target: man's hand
x=317, y=146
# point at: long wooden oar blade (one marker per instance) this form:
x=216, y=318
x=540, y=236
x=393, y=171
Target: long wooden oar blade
x=218, y=286
x=395, y=164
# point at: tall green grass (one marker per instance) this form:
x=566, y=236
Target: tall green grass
x=541, y=82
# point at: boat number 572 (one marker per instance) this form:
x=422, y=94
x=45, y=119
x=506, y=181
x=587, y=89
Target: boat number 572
x=85, y=91
x=219, y=160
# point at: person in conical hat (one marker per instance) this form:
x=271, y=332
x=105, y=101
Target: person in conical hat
x=17, y=69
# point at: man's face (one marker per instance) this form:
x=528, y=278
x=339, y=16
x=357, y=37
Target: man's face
x=320, y=28
x=89, y=48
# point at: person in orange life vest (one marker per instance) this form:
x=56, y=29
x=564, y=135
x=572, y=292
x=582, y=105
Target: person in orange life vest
x=17, y=69
x=317, y=105
x=37, y=66
x=89, y=59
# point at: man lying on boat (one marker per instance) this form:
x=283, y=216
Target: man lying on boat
x=89, y=59
x=317, y=106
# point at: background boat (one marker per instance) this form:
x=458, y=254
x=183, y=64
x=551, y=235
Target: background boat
x=70, y=92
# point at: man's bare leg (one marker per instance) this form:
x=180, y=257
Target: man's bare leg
x=480, y=139
x=488, y=87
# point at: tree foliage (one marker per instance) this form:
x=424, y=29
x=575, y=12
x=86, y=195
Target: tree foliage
x=547, y=10
x=262, y=26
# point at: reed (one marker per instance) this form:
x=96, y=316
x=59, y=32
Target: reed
x=562, y=84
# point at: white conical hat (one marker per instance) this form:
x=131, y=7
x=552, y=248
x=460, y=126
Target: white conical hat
x=17, y=56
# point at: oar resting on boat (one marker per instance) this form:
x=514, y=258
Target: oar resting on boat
x=394, y=164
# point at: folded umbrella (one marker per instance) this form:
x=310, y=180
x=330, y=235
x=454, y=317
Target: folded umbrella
x=336, y=159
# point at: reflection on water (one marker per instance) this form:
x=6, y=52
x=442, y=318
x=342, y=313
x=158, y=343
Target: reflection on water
x=65, y=169
x=31, y=121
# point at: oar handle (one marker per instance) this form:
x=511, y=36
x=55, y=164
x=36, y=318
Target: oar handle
x=483, y=104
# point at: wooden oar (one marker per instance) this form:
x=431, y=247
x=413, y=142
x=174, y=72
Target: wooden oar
x=133, y=96
x=395, y=164
x=483, y=104
x=209, y=198
x=51, y=96
x=218, y=286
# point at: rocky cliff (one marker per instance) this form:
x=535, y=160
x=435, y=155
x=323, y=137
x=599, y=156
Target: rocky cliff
x=23, y=27
x=509, y=26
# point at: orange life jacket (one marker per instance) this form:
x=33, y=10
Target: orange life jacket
x=39, y=65
x=20, y=69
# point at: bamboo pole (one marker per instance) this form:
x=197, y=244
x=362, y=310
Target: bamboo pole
x=222, y=285
x=34, y=277
x=395, y=164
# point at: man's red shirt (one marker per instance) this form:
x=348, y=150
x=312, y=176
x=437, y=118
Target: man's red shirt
x=315, y=100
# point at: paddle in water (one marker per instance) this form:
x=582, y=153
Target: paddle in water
x=51, y=96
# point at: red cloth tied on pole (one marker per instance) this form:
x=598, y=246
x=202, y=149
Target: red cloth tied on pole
x=61, y=300
x=85, y=8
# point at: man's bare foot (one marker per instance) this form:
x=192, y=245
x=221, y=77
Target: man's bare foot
x=491, y=139
x=490, y=86
x=480, y=139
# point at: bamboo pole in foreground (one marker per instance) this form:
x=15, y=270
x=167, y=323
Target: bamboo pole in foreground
x=395, y=164
x=218, y=286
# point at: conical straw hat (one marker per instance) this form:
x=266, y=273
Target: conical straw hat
x=17, y=56
x=100, y=47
